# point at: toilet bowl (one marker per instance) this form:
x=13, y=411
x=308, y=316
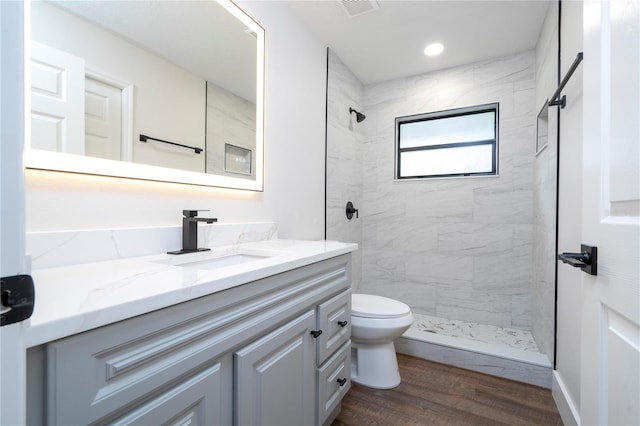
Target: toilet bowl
x=376, y=322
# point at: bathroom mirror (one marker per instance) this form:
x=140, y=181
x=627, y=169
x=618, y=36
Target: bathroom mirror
x=155, y=90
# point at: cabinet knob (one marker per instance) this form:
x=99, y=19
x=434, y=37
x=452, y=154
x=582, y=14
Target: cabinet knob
x=342, y=323
x=316, y=333
x=342, y=381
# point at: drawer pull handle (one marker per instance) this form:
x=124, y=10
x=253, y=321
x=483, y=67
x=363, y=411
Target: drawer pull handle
x=342, y=323
x=316, y=333
x=342, y=382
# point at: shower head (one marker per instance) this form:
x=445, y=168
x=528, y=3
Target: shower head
x=359, y=116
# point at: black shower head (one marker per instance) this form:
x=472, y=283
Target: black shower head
x=359, y=116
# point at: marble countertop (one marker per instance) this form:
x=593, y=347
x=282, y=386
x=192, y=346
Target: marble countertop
x=74, y=299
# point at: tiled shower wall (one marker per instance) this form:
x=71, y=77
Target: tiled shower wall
x=345, y=140
x=454, y=248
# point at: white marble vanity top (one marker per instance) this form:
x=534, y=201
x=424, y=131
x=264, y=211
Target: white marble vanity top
x=77, y=298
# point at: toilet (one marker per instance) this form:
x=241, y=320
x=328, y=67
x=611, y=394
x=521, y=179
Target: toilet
x=376, y=322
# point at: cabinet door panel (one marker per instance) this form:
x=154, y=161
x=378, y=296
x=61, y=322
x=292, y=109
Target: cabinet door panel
x=196, y=400
x=334, y=319
x=275, y=376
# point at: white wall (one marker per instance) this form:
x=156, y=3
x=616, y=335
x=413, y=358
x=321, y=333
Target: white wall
x=294, y=157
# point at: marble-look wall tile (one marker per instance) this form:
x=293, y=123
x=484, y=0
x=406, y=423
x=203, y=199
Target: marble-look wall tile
x=456, y=240
x=521, y=311
x=400, y=236
x=491, y=309
x=61, y=248
x=502, y=206
x=442, y=206
x=434, y=267
x=475, y=238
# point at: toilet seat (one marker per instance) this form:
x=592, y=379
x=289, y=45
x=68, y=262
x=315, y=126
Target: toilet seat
x=371, y=306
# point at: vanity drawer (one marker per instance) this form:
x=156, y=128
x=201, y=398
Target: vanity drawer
x=334, y=380
x=334, y=319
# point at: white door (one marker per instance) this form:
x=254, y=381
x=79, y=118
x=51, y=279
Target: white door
x=57, y=100
x=103, y=119
x=12, y=248
x=610, y=372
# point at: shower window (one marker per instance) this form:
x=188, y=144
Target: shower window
x=457, y=142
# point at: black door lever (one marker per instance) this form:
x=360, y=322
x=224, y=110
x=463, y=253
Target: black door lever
x=587, y=259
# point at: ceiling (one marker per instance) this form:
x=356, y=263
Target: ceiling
x=388, y=43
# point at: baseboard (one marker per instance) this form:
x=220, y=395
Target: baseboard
x=567, y=409
x=521, y=371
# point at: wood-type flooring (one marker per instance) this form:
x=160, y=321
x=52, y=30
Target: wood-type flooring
x=438, y=394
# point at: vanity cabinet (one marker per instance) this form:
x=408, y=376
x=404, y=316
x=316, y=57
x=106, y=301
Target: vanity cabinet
x=287, y=368
x=275, y=376
x=246, y=355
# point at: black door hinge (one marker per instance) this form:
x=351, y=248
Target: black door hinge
x=17, y=297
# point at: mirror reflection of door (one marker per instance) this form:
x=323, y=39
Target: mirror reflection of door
x=103, y=119
x=74, y=112
x=108, y=110
x=57, y=104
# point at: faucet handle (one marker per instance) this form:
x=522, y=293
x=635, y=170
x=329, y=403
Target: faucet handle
x=192, y=213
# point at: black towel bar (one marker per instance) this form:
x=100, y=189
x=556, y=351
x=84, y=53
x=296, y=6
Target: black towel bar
x=555, y=100
x=143, y=138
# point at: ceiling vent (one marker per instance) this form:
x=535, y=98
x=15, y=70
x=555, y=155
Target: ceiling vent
x=355, y=8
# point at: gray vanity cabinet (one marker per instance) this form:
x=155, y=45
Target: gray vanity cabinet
x=275, y=376
x=242, y=356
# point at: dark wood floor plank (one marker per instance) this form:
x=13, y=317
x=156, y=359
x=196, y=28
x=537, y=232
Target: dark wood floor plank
x=438, y=394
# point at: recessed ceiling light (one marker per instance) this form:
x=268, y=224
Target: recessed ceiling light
x=433, y=49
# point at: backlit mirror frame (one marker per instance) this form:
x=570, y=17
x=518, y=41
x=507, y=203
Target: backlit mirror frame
x=57, y=161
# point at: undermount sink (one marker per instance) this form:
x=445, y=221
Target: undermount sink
x=216, y=260
x=219, y=262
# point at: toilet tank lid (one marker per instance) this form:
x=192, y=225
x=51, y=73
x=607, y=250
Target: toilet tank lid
x=371, y=306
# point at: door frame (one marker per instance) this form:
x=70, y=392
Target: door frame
x=13, y=130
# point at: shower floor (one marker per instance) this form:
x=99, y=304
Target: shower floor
x=494, y=350
x=489, y=334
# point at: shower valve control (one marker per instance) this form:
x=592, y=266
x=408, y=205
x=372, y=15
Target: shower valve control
x=351, y=210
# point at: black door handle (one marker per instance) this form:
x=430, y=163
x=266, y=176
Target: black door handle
x=577, y=260
x=587, y=259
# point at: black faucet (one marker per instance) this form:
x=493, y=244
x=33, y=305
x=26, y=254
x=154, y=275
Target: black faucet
x=190, y=231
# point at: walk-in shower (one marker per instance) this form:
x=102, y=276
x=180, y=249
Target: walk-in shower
x=459, y=251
